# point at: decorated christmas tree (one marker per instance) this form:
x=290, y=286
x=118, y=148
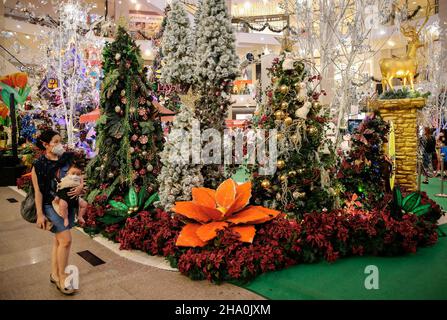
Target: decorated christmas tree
x=216, y=68
x=365, y=170
x=301, y=181
x=178, y=174
x=164, y=94
x=130, y=134
x=177, y=49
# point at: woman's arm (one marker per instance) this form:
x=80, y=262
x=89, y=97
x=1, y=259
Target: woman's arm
x=38, y=199
x=77, y=191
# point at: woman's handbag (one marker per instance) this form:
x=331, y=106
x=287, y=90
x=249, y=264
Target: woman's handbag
x=28, y=207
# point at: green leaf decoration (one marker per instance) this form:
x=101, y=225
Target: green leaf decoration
x=398, y=196
x=422, y=209
x=117, y=213
x=110, y=83
x=111, y=188
x=5, y=98
x=151, y=200
x=133, y=197
x=117, y=130
x=92, y=195
x=411, y=201
x=147, y=127
x=109, y=219
x=142, y=196
x=118, y=205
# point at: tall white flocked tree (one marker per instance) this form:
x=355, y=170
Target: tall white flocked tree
x=177, y=48
x=216, y=68
x=178, y=175
x=216, y=51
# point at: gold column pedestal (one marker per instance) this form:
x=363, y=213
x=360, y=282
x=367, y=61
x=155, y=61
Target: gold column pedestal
x=403, y=113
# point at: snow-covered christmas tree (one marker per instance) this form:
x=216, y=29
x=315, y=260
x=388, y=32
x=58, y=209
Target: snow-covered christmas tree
x=178, y=174
x=177, y=49
x=215, y=71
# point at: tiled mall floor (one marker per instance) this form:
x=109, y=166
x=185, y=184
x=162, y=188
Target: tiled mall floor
x=25, y=268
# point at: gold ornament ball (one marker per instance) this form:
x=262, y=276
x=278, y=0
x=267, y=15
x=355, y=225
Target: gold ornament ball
x=283, y=178
x=292, y=173
x=279, y=115
x=280, y=164
x=275, y=79
x=284, y=105
x=288, y=121
x=312, y=130
x=300, y=171
x=110, y=175
x=284, y=89
x=294, y=138
x=279, y=136
x=265, y=184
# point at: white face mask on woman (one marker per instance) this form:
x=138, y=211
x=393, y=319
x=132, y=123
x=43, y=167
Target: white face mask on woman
x=58, y=149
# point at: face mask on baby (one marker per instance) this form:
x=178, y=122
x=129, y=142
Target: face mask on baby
x=58, y=149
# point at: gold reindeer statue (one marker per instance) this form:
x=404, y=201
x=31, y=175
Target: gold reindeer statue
x=406, y=67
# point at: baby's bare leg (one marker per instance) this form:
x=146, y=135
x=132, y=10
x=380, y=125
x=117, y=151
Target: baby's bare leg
x=82, y=209
x=63, y=211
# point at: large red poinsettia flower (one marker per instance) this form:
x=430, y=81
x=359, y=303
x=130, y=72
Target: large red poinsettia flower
x=214, y=210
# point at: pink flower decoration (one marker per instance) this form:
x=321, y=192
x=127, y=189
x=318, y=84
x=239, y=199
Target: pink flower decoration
x=143, y=139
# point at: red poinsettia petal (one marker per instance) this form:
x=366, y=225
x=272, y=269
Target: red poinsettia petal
x=226, y=193
x=208, y=231
x=253, y=214
x=192, y=210
x=243, y=195
x=204, y=196
x=188, y=236
x=247, y=233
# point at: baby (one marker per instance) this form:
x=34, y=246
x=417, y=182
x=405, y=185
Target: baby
x=62, y=202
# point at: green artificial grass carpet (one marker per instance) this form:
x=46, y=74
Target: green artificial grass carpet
x=422, y=275
x=434, y=187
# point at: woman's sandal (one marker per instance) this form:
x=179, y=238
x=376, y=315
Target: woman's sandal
x=67, y=291
x=52, y=280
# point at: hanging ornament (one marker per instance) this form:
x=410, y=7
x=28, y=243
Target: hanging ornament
x=298, y=195
x=134, y=138
x=102, y=167
x=294, y=138
x=284, y=105
x=123, y=93
x=131, y=150
x=283, y=178
x=279, y=136
x=303, y=111
x=292, y=173
x=265, y=184
x=278, y=196
x=275, y=79
x=301, y=171
x=279, y=115
x=312, y=130
x=142, y=111
x=117, y=56
x=110, y=175
x=143, y=139
x=288, y=121
x=123, y=100
x=132, y=110
x=149, y=168
x=117, y=109
x=284, y=89
x=144, y=153
x=280, y=164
